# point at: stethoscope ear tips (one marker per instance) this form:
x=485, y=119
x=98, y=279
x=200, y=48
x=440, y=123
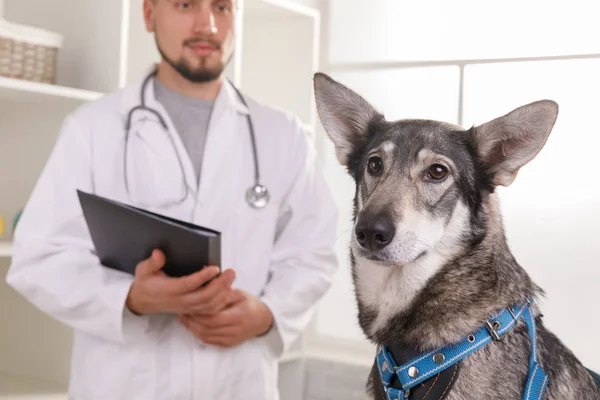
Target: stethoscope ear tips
x=257, y=196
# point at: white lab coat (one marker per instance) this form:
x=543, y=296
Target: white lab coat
x=283, y=253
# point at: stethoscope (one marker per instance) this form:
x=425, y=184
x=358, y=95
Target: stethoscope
x=257, y=196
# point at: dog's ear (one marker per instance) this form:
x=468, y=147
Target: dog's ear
x=509, y=142
x=345, y=115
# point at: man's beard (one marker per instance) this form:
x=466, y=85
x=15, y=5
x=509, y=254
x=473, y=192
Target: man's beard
x=198, y=75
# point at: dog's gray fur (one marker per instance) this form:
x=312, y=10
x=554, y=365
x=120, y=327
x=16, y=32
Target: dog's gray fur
x=448, y=266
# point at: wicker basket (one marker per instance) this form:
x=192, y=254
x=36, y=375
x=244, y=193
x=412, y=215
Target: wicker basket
x=28, y=53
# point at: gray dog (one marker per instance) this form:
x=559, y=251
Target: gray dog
x=452, y=312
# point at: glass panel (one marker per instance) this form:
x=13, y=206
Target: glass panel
x=551, y=210
x=408, y=92
x=408, y=30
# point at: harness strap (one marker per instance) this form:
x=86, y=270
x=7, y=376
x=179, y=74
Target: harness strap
x=425, y=366
x=537, y=380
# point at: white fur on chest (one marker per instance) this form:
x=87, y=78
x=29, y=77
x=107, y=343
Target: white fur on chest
x=390, y=289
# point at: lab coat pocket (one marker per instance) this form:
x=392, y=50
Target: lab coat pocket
x=127, y=380
x=255, y=371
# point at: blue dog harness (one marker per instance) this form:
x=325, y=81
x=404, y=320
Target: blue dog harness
x=429, y=364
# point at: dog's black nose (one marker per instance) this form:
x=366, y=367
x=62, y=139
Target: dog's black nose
x=374, y=233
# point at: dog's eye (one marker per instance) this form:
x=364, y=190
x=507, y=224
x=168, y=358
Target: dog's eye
x=375, y=165
x=437, y=172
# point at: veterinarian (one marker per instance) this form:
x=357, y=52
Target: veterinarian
x=179, y=142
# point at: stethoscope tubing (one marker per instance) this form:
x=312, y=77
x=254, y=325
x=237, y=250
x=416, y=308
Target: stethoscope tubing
x=257, y=188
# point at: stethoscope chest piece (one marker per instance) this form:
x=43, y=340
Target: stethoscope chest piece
x=257, y=196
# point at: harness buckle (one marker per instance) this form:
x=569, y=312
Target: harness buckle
x=492, y=327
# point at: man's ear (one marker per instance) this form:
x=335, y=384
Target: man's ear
x=345, y=115
x=149, y=14
x=507, y=143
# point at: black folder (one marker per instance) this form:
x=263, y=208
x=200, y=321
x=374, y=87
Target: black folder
x=124, y=235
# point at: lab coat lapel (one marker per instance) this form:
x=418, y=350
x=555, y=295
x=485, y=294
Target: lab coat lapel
x=175, y=136
x=132, y=99
x=221, y=183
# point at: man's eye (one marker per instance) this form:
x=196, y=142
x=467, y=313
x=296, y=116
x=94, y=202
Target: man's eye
x=184, y=4
x=223, y=7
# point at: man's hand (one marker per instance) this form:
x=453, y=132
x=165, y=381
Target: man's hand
x=155, y=292
x=242, y=320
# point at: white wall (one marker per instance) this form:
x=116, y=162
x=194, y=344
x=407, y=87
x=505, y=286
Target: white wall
x=400, y=54
x=551, y=212
x=140, y=47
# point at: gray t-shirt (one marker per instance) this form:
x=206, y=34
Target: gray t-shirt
x=190, y=117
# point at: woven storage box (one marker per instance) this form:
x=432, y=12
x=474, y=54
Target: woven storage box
x=28, y=53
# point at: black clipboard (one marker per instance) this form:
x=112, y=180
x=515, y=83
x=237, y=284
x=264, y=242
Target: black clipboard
x=124, y=235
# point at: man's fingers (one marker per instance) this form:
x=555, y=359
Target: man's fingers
x=227, y=299
x=204, y=331
x=227, y=332
x=213, y=306
x=216, y=281
x=225, y=318
x=223, y=337
x=208, y=308
x=234, y=297
x=224, y=281
x=222, y=300
x=221, y=341
x=152, y=264
x=191, y=283
x=197, y=299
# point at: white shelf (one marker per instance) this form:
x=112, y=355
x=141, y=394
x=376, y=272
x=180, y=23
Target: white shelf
x=17, y=388
x=5, y=249
x=18, y=90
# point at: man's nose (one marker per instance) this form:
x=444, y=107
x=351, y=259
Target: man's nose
x=374, y=232
x=204, y=22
